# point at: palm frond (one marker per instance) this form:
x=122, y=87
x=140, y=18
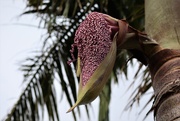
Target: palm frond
x=40, y=91
x=105, y=98
x=142, y=88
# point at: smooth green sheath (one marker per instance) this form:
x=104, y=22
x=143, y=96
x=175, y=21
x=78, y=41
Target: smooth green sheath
x=78, y=71
x=95, y=84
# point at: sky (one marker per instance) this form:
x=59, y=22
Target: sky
x=18, y=41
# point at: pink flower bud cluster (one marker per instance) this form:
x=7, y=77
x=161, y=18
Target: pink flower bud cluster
x=93, y=40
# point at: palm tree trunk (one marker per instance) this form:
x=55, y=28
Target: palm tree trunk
x=165, y=71
x=162, y=23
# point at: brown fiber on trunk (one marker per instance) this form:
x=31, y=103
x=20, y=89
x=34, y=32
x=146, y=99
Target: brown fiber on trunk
x=165, y=71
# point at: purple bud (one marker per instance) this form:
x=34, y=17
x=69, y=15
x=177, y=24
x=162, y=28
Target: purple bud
x=93, y=39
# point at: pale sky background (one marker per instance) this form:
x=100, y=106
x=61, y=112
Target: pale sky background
x=16, y=44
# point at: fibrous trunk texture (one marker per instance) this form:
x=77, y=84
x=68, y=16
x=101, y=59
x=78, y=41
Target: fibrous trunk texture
x=162, y=23
x=165, y=72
